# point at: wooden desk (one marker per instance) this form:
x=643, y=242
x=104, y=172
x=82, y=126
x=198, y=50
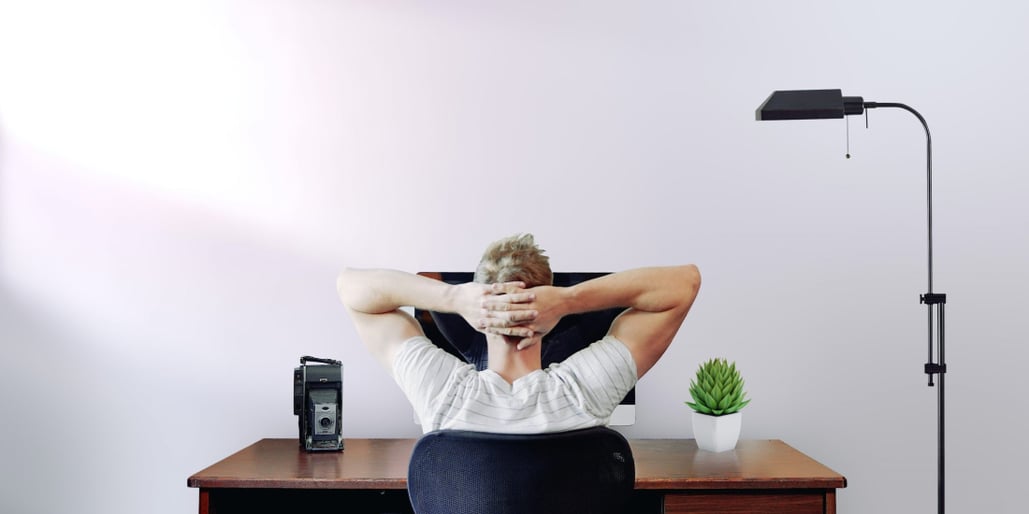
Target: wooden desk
x=370, y=475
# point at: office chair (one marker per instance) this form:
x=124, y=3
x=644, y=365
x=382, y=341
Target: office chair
x=588, y=471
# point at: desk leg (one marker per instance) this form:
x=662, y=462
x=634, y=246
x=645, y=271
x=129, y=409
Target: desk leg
x=830, y=501
x=205, y=501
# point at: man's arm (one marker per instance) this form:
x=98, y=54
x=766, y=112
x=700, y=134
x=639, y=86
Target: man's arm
x=658, y=300
x=374, y=298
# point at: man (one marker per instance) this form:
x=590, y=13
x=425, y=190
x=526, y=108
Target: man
x=513, y=302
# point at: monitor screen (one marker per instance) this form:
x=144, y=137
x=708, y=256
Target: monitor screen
x=573, y=333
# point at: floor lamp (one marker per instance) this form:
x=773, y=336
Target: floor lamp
x=828, y=104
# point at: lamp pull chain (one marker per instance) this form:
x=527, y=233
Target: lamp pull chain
x=847, y=122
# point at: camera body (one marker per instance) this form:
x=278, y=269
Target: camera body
x=318, y=403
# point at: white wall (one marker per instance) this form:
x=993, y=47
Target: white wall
x=180, y=182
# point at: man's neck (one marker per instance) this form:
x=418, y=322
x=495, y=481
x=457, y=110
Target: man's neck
x=506, y=360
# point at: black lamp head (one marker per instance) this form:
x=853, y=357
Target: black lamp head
x=809, y=104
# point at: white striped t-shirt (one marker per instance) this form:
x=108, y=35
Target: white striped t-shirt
x=580, y=392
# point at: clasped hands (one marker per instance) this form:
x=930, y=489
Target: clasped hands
x=509, y=309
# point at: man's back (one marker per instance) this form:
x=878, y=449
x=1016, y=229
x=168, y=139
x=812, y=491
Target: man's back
x=580, y=392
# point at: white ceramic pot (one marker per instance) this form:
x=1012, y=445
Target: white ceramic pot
x=716, y=433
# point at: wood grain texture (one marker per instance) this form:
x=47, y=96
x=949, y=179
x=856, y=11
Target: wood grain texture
x=757, y=477
x=755, y=464
x=282, y=464
x=749, y=502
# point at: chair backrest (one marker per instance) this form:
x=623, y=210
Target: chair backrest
x=589, y=471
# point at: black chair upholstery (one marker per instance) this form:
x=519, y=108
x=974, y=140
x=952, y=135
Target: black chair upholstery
x=588, y=471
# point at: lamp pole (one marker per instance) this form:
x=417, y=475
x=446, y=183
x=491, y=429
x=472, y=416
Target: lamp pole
x=934, y=302
x=823, y=104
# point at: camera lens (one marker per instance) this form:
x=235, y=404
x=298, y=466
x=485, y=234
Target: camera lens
x=325, y=422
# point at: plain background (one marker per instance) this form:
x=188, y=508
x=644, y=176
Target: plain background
x=180, y=182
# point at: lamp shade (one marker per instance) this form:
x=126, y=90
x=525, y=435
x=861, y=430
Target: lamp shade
x=809, y=104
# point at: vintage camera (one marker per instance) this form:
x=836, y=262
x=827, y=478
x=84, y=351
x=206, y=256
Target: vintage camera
x=318, y=401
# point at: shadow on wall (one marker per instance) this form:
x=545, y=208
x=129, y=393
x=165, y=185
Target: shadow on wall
x=33, y=350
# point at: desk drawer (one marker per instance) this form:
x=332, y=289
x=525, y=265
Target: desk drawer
x=750, y=502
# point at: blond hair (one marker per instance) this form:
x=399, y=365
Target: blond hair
x=515, y=259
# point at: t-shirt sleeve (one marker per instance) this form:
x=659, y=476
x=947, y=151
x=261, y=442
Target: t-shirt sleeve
x=423, y=372
x=601, y=375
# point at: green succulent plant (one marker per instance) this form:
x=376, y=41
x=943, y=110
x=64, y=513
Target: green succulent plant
x=717, y=389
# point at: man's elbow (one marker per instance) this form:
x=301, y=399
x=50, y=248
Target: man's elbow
x=340, y=280
x=689, y=284
x=345, y=286
x=693, y=276
x=360, y=290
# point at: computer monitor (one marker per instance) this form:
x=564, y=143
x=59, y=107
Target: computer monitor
x=573, y=333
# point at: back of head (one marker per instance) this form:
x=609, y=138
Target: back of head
x=515, y=259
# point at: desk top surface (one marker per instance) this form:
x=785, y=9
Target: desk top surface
x=664, y=464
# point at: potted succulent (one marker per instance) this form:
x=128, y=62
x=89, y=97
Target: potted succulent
x=718, y=396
